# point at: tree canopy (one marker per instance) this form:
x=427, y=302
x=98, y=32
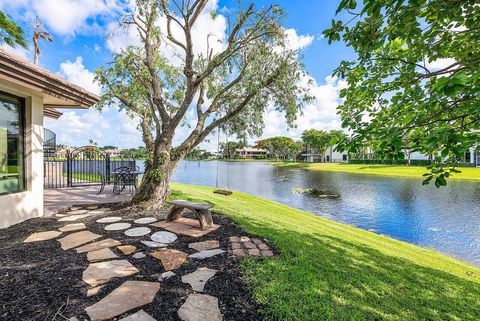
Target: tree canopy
x=279, y=146
x=10, y=32
x=416, y=80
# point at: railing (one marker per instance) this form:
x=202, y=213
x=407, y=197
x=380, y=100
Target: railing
x=49, y=143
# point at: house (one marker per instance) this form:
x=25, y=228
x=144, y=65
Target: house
x=114, y=153
x=311, y=155
x=28, y=94
x=250, y=152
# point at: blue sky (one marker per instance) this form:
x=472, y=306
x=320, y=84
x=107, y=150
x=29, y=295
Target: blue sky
x=79, y=28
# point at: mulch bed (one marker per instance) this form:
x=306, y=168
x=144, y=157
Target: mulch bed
x=40, y=281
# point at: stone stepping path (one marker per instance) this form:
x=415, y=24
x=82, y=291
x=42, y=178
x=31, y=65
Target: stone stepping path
x=100, y=255
x=137, y=231
x=76, y=239
x=185, y=226
x=98, y=245
x=42, y=236
x=130, y=295
x=199, y=278
x=118, y=226
x=200, y=307
x=203, y=246
x=145, y=220
x=127, y=249
x=139, y=255
x=101, y=272
x=163, y=237
x=74, y=218
x=153, y=244
x=244, y=246
x=139, y=316
x=72, y=227
x=171, y=259
x=206, y=254
x=109, y=219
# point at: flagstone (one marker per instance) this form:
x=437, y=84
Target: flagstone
x=139, y=255
x=100, y=255
x=254, y=252
x=239, y=252
x=163, y=237
x=154, y=244
x=99, y=211
x=109, y=219
x=42, y=236
x=73, y=218
x=78, y=212
x=137, y=231
x=94, y=291
x=139, y=316
x=267, y=253
x=127, y=249
x=236, y=246
x=130, y=295
x=171, y=259
x=92, y=207
x=72, y=227
x=145, y=220
x=244, y=239
x=257, y=241
x=61, y=215
x=199, y=278
x=234, y=239
x=98, y=245
x=76, y=239
x=75, y=208
x=203, y=246
x=101, y=272
x=206, y=254
x=250, y=245
x=118, y=226
x=166, y=275
x=200, y=307
x=262, y=246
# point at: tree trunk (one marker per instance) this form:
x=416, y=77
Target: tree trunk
x=154, y=189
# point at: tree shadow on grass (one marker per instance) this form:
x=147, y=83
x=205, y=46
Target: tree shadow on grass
x=318, y=277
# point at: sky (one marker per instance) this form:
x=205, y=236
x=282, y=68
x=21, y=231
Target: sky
x=83, y=42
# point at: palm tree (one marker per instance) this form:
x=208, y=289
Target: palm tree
x=39, y=33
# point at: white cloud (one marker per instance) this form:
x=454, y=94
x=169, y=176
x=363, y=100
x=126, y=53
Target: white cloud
x=76, y=73
x=19, y=51
x=297, y=42
x=439, y=63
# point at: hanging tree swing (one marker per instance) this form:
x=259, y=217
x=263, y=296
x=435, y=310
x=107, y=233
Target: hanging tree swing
x=223, y=191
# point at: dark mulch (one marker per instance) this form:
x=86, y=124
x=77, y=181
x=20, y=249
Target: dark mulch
x=40, y=281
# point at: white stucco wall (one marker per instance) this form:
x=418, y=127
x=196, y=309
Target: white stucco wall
x=17, y=207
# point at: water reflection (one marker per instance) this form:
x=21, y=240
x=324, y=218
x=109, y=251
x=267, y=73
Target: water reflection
x=446, y=219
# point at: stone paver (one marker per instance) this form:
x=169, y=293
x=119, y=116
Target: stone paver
x=92, y=207
x=236, y=246
x=249, y=245
x=200, y=307
x=154, y=244
x=267, y=253
x=77, y=212
x=256, y=241
x=72, y=227
x=234, y=239
x=101, y=272
x=145, y=220
x=171, y=259
x=42, y=236
x=109, y=219
x=262, y=246
x=239, y=252
x=99, y=211
x=166, y=275
x=100, y=255
x=139, y=255
x=244, y=246
x=127, y=249
x=199, y=278
x=76, y=239
x=137, y=231
x=98, y=245
x=139, y=316
x=94, y=291
x=117, y=226
x=203, y=246
x=186, y=226
x=206, y=254
x=163, y=237
x=254, y=252
x=74, y=218
x=130, y=295
x=244, y=239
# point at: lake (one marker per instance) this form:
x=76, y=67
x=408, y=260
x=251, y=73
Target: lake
x=445, y=219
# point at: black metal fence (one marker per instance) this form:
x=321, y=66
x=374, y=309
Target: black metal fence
x=83, y=166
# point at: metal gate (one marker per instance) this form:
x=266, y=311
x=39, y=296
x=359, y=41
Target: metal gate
x=83, y=166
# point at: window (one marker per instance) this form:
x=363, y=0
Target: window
x=12, y=177
x=344, y=157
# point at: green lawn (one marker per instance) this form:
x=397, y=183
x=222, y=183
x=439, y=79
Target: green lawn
x=331, y=271
x=467, y=173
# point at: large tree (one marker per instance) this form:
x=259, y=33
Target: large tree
x=279, y=146
x=318, y=140
x=415, y=82
x=234, y=85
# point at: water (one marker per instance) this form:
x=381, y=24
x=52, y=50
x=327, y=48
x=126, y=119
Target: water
x=446, y=219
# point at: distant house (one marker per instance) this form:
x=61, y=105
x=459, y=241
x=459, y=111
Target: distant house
x=63, y=152
x=28, y=94
x=250, y=152
x=310, y=155
x=115, y=153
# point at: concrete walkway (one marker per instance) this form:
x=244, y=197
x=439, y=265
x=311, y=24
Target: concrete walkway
x=62, y=198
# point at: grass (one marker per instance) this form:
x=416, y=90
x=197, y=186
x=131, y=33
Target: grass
x=330, y=271
x=467, y=173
